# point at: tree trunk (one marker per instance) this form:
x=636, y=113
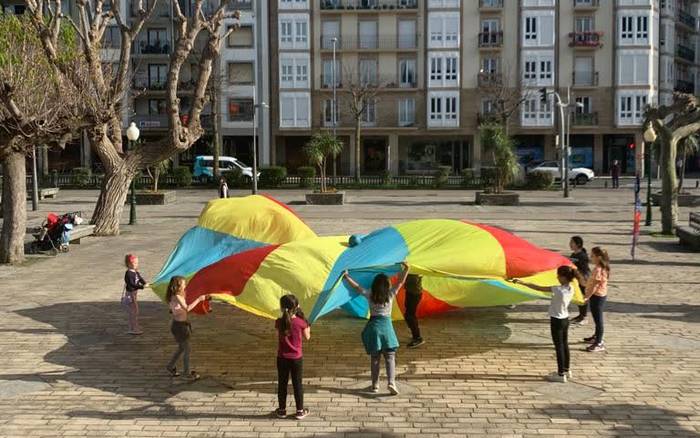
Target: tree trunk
x=669, y=186
x=682, y=175
x=216, y=144
x=156, y=177
x=358, y=147
x=110, y=204
x=14, y=207
x=323, y=175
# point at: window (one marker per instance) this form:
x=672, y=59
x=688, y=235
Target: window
x=407, y=73
x=633, y=67
x=535, y=112
x=157, y=75
x=294, y=71
x=586, y=102
x=538, y=28
x=634, y=30
x=368, y=71
x=583, y=24
x=112, y=37
x=530, y=28
x=328, y=112
x=443, y=28
x=241, y=37
x=294, y=110
x=491, y=25
x=327, y=77
x=488, y=106
x=437, y=4
x=407, y=34
x=369, y=115
x=293, y=4
x=240, y=73
x=583, y=70
x=538, y=69
x=368, y=34
x=329, y=31
x=240, y=110
x=490, y=65
x=294, y=31
x=407, y=112
x=444, y=69
x=157, y=37
x=443, y=109
x=631, y=107
x=156, y=107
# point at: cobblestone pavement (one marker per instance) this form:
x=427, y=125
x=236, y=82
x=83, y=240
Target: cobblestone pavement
x=67, y=368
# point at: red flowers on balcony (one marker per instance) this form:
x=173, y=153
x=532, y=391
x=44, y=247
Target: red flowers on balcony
x=586, y=39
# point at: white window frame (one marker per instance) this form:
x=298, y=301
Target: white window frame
x=443, y=69
x=298, y=98
x=442, y=4
x=638, y=55
x=440, y=31
x=634, y=28
x=533, y=28
x=630, y=107
x=443, y=109
x=407, y=111
x=294, y=76
x=290, y=31
x=534, y=112
x=293, y=4
x=538, y=69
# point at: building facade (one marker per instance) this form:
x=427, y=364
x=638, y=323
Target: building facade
x=443, y=64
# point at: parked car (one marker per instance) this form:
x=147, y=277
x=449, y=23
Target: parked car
x=580, y=175
x=204, y=166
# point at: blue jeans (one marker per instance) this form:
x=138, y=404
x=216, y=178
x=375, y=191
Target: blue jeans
x=597, y=306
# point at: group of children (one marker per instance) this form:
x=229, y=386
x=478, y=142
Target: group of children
x=378, y=336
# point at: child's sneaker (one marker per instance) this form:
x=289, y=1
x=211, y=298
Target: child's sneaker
x=416, y=343
x=374, y=389
x=393, y=389
x=596, y=348
x=556, y=377
x=589, y=339
x=569, y=375
x=281, y=413
x=300, y=415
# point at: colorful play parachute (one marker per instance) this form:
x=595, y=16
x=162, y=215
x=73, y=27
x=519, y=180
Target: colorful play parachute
x=250, y=251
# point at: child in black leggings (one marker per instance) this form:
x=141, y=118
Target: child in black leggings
x=414, y=293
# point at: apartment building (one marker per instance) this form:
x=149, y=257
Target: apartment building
x=441, y=60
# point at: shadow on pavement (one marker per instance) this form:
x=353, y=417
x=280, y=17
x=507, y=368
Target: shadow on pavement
x=686, y=313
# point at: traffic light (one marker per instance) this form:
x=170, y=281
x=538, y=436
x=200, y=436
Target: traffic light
x=631, y=146
x=543, y=95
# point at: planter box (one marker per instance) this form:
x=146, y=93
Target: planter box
x=685, y=199
x=337, y=198
x=506, y=198
x=153, y=198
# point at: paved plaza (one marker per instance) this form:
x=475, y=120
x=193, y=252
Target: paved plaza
x=67, y=368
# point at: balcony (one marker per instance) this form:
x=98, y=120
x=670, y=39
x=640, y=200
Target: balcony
x=153, y=48
x=685, y=52
x=487, y=117
x=489, y=79
x=490, y=4
x=683, y=86
x=585, y=119
x=686, y=19
x=490, y=39
x=368, y=5
x=371, y=43
x=586, y=4
x=161, y=10
x=590, y=39
x=584, y=79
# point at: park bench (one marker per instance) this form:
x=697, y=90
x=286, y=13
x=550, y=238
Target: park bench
x=690, y=235
x=47, y=192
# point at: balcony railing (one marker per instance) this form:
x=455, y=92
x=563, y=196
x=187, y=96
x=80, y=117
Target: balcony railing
x=584, y=79
x=586, y=4
x=489, y=78
x=585, y=119
x=686, y=18
x=685, y=52
x=491, y=4
x=371, y=43
x=683, y=86
x=586, y=39
x=368, y=4
x=491, y=39
x=487, y=117
x=153, y=48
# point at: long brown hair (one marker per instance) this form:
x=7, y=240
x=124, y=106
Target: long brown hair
x=289, y=305
x=174, y=287
x=603, y=258
x=380, y=289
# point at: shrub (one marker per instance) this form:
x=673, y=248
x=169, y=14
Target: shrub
x=539, y=180
x=273, y=176
x=386, y=178
x=306, y=175
x=467, y=177
x=441, y=176
x=234, y=178
x=183, y=176
x=80, y=176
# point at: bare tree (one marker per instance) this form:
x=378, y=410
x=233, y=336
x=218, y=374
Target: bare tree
x=358, y=95
x=200, y=28
x=504, y=97
x=36, y=108
x=672, y=124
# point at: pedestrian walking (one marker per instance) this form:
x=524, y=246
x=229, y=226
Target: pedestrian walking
x=180, y=326
x=597, y=295
x=414, y=293
x=133, y=282
x=559, y=319
x=378, y=336
x=615, y=173
x=223, y=188
x=292, y=328
x=579, y=257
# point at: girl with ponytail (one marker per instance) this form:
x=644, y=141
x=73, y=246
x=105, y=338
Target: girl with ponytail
x=597, y=295
x=292, y=328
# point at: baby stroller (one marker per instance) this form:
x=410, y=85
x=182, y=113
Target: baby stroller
x=54, y=234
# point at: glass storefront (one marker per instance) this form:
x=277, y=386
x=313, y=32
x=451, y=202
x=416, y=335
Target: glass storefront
x=423, y=156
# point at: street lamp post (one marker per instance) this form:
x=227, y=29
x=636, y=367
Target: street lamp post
x=565, y=110
x=649, y=139
x=35, y=183
x=132, y=134
x=254, y=190
x=334, y=110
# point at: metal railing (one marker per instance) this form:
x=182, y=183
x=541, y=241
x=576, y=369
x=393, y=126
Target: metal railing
x=685, y=52
x=490, y=4
x=683, y=86
x=584, y=4
x=489, y=78
x=584, y=119
x=152, y=48
x=586, y=39
x=487, y=117
x=686, y=18
x=491, y=39
x=368, y=4
x=585, y=79
x=370, y=43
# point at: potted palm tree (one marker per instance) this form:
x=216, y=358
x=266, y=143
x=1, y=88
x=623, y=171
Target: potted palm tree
x=319, y=149
x=495, y=141
x=155, y=196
